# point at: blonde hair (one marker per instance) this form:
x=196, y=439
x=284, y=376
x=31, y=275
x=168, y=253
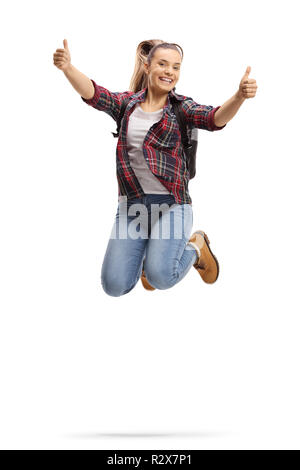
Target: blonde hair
x=144, y=53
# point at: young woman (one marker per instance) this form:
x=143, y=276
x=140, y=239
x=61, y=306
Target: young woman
x=152, y=171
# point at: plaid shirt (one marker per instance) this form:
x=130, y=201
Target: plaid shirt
x=162, y=147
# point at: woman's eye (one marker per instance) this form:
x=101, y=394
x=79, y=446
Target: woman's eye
x=176, y=68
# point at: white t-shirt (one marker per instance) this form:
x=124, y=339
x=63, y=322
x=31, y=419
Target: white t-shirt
x=139, y=123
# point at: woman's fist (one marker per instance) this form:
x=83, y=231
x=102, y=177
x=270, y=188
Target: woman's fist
x=62, y=57
x=248, y=86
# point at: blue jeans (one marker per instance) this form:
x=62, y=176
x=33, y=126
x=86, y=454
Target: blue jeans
x=159, y=246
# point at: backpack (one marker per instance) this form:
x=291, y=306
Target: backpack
x=189, y=137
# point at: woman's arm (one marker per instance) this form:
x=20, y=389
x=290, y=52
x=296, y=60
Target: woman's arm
x=229, y=109
x=82, y=84
x=108, y=101
x=200, y=116
x=247, y=89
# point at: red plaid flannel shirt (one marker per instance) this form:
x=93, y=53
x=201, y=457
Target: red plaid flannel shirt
x=162, y=147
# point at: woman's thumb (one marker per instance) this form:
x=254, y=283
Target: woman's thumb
x=65, y=44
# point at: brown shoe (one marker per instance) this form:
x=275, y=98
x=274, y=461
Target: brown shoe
x=207, y=265
x=145, y=282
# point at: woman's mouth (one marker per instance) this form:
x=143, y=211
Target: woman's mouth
x=167, y=81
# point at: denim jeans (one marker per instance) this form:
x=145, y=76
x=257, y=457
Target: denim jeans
x=159, y=246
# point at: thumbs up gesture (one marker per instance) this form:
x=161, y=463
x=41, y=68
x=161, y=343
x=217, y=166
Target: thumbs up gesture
x=62, y=57
x=248, y=87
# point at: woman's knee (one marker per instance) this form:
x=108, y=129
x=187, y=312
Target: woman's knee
x=116, y=285
x=160, y=276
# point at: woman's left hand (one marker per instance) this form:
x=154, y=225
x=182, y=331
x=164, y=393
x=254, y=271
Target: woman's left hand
x=248, y=87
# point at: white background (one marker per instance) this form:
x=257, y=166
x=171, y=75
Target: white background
x=196, y=366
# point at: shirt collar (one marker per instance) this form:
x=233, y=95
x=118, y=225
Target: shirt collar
x=140, y=96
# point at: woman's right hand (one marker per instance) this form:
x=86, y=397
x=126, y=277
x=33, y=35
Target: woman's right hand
x=62, y=57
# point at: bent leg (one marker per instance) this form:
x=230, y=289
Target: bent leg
x=123, y=261
x=168, y=256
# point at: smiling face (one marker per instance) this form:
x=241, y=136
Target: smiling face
x=165, y=64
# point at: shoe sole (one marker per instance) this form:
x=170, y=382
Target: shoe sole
x=208, y=243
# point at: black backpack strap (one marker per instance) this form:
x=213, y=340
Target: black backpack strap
x=120, y=117
x=182, y=124
x=189, y=144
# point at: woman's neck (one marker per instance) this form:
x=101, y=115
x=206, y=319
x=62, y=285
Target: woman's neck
x=155, y=100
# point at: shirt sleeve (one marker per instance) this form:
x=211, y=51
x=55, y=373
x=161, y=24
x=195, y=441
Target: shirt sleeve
x=200, y=116
x=107, y=101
